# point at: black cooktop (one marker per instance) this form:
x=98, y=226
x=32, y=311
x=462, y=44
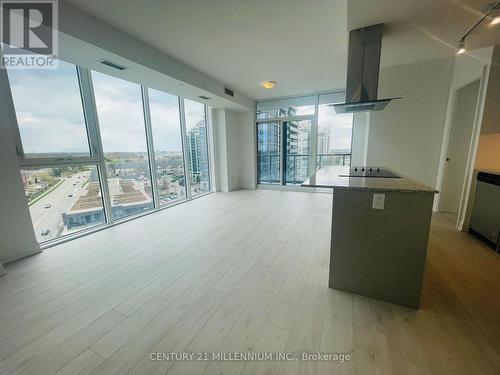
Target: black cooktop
x=370, y=172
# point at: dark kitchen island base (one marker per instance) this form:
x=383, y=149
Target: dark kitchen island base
x=380, y=253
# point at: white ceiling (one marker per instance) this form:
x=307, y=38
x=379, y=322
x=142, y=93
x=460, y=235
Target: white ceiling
x=302, y=44
x=421, y=30
x=298, y=43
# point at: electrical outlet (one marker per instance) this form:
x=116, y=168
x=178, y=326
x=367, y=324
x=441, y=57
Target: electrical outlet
x=378, y=201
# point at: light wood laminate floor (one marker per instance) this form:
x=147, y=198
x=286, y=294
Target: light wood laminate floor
x=238, y=272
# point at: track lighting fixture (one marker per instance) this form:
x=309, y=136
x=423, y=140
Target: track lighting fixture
x=491, y=11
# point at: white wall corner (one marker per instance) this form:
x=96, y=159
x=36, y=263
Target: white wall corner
x=17, y=236
x=220, y=150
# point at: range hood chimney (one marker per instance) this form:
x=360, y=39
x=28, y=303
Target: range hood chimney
x=363, y=64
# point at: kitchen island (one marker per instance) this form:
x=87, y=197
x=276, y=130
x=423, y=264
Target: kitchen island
x=380, y=229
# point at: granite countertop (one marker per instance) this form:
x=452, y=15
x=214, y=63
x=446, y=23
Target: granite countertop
x=328, y=177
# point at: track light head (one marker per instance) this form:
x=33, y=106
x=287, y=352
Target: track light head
x=461, y=47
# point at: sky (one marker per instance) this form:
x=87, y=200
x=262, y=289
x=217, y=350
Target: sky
x=165, y=121
x=51, y=120
x=49, y=110
x=340, y=127
x=120, y=114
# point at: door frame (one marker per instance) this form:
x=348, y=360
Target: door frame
x=463, y=211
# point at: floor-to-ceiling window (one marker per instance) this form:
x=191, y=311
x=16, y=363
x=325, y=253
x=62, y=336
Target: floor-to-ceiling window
x=334, y=135
x=268, y=152
x=167, y=140
x=94, y=148
x=58, y=169
x=298, y=150
x=197, y=145
x=123, y=134
x=298, y=135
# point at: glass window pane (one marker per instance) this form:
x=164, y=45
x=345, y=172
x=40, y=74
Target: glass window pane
x=63, y=200
x=121, y=122
x=299, y=106
x=334, y=137
x=167, y=141
x=268, y=153
x=298, y=150
x=49, y=111
x=197, y=143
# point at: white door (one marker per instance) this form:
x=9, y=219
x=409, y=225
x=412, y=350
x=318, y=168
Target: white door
x=464, y=111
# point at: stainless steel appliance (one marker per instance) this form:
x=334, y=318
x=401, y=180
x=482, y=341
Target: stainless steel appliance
x=485, y=217
x=363, y=64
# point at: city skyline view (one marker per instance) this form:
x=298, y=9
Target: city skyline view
x=333, y=142
x=64, y=199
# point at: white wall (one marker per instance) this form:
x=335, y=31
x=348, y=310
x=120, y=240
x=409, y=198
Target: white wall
x=220, y=149
x=234, y=150
x=468, y=67
x=17, y=237
x=407, y=135
x=246, y=148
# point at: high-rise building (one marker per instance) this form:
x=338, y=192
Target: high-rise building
x=269, y=152
x=198, y=151
x=323, y=141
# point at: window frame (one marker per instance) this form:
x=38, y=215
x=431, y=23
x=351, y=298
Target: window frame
x=26, y=161
x=319, y=99
x=96, y=153
x=186, y=149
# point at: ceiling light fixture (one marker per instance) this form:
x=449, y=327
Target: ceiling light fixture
x=491, y=10
x=268, y=84
x=461, y=48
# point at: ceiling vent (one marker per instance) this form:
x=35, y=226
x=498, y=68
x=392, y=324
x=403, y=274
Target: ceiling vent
x=204, y=97
x=228, y=91
x=112, y=64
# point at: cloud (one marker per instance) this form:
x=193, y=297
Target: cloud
x=51, y=119
x=49, y=110
x=165, y=121
x=121, y=118
x=339, y=127
x=195, y=112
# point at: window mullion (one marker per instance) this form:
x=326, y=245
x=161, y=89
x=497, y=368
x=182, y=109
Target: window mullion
x=90, y=109
x=210, y=150
x=314, y=138
x=9, y=104
x=185, y=149
x=150, y=145
x=284, y=134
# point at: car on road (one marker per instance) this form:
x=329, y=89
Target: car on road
x=45, y=232
x=70, y=195
x=47, y=205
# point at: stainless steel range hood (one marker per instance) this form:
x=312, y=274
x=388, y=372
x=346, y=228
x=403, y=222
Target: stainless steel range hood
x=363, y=64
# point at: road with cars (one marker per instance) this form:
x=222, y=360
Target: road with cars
x=59, y=200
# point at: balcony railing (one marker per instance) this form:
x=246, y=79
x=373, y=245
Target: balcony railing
x=269, y=168
x=338, y=158
x=297, y=166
